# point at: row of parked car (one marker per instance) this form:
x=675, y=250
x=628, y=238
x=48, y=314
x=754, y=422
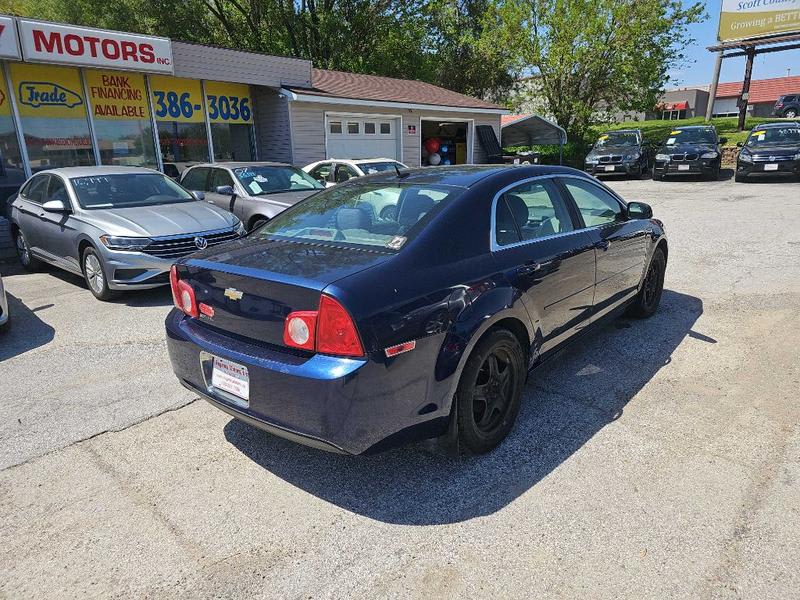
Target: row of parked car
x=771, y=149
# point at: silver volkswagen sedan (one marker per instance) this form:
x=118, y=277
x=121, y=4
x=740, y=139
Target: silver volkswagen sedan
x=253, y=191
x=118, y=227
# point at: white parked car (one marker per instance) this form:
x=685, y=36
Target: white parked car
x=338, y=170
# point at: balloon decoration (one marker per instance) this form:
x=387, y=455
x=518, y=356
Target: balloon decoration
x=432, y=145
x=446, y=161
x=434, y=158
x=443, y=149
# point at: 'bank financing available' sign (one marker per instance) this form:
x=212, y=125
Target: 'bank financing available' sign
x=746, y=19
x=82, y=46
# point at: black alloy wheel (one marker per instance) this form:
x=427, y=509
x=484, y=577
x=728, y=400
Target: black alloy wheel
x=649, y=296
x=490, y=391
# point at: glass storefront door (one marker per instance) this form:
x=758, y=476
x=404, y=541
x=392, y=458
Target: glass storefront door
x=178, y=108
x=12, y=170
x=230, y=112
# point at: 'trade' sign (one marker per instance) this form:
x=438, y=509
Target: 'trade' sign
x=65, y=44
x=747, y=19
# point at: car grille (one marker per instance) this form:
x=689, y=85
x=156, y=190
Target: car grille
x=685, y=157
x=767, y=158
x=615, y=158
x=177, y=247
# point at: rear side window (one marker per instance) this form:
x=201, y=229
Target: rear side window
x=36, y=189
x=595, y=205
x=530, y=211
x=196, y=179
x=351, y=215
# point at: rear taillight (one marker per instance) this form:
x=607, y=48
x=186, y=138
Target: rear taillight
x=329, y=330
x=183, y=294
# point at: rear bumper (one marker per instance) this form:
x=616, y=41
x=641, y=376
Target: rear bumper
x=337, y=404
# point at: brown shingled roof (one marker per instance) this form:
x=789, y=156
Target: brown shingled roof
x=338, y=84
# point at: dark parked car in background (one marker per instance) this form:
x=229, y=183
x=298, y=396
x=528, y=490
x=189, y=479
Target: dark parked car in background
x=770, y=149
x=690, y=150
x=620, y=152
x=787, y=106
x=351, y=333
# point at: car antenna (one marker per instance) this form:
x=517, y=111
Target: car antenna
x=399, y=174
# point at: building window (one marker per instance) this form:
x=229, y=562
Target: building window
x=386, y=128
x=336, y=126
x=352, y=127
x=178, y=108
x=12, y=171
x=369, y=127
x=121, y=116
x=53, y=115
x=230, y=112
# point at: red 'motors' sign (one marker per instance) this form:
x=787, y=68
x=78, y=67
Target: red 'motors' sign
x=69, y=45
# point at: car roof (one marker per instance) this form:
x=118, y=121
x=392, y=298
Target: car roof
x=777, y=124
x=233, y=164
x=639, y=131
x=464, y=175
x=97, y=170
x=697, y=127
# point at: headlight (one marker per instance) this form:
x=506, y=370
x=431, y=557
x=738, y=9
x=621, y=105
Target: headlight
x=113, y=242
x=709, y=155
x=591, y=160
x=797, y=156
x=745, y=156
x=240, y=229
x=662, y=157
x=633, y=156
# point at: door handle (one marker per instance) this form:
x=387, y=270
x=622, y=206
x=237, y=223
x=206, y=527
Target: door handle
x=602, y=245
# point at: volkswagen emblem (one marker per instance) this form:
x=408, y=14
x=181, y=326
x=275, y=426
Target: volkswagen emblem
x=201, y=243
x=771, y=159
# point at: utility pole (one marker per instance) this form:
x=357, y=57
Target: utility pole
x=744, y=97
x=712, y=92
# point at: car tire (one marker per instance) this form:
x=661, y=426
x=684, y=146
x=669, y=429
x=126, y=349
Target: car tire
x=26, y=258
x=714, y=175
x=739, y=178
x=790, y=113
x=489, y=392
x=257, y=222
x=647, y=300
x=94, y=272
x=657, y=176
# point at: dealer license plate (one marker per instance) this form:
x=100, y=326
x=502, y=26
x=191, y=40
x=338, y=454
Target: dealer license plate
x=771, y=167
x=610, y=167
x=231, y=377
x=683, y=167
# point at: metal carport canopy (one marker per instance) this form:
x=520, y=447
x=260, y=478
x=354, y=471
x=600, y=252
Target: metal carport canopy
x=530, y=130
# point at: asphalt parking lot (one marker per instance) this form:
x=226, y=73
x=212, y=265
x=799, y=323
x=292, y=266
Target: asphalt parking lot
x=657, y=459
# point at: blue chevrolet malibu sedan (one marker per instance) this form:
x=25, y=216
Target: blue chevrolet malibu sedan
x=339, y=329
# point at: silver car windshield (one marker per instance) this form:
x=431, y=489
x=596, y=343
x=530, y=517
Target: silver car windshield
x=126, y=190
x=350, y=215
x=378, y=167
x=260, y=180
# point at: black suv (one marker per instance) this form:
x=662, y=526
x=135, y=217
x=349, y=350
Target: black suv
x=691, y=150
x=770, y=149
x=787, y=106
x=619, y=152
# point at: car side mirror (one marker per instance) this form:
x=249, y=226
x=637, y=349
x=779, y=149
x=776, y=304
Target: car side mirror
x=199, y=195
x=55, y=206
x=224, y=190
x=739, y=144
x=723, y=140
x=639, y=210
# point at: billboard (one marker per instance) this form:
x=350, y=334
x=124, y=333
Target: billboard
x=747, y=19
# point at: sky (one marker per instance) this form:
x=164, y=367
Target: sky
x=699, y=67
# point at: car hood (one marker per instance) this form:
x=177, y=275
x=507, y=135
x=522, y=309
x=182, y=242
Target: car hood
x=773, y=150
x=615, y=150
x=688, y=148
x=287, y=198
x=316, y=265
x=161, y=220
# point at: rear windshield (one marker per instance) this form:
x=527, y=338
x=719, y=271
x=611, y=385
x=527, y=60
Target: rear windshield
x=128, y=190
x=377, y=167
x=370, y=214
x=627, y=138
x=261, y=180
x=774, y=136
x=692, y=136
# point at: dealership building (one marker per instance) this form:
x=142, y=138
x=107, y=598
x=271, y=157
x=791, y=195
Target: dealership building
x=81, y=96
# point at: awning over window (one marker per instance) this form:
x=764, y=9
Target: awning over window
x=530, y=130
x=675, y=106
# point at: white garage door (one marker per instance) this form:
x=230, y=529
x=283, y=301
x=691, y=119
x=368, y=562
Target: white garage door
x=362, y=137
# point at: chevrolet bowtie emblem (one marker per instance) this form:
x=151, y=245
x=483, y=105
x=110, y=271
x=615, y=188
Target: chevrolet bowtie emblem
x=233, y=294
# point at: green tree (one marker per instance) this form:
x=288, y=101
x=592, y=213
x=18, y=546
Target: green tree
x=610, y=55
